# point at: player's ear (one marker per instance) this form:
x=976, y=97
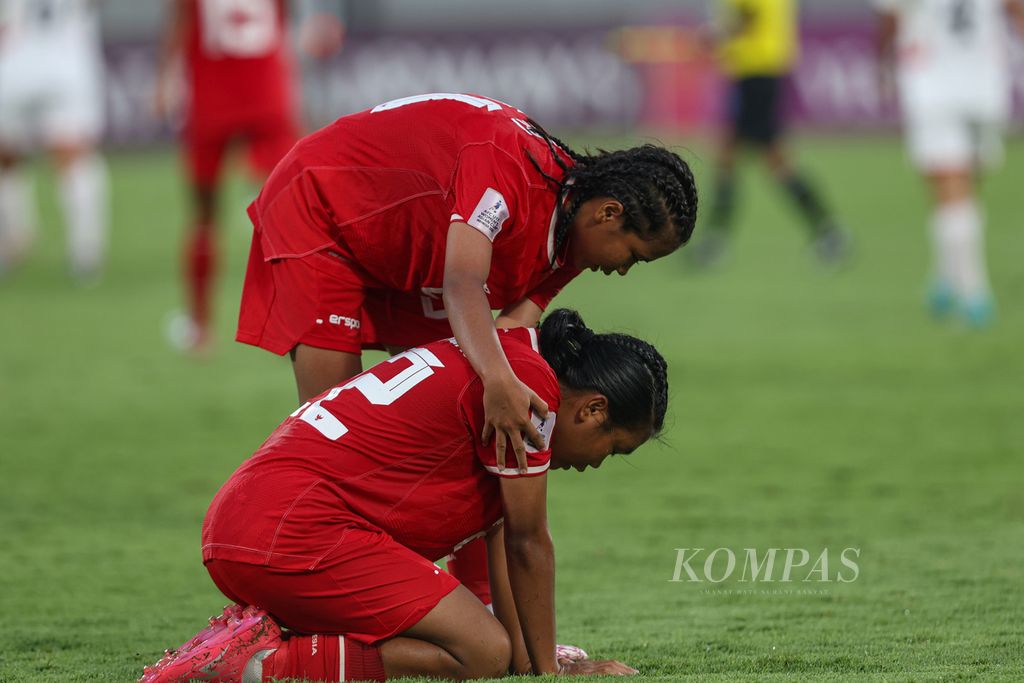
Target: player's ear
x=593, y=410
x=610, y=209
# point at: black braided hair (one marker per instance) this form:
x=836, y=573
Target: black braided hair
x=628, y=371
x=654, y=185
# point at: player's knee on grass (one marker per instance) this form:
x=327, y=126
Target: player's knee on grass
x=489, y=653
x=480, y=644
x=475, y=639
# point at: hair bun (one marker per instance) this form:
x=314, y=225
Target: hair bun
x=562, y=338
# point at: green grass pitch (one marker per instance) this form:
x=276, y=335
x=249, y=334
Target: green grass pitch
x=810, y=409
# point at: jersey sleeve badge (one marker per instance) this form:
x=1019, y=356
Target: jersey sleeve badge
x=490, y=214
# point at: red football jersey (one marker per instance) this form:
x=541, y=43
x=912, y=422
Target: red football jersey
x=237, y=60
x=396, y=448
x=382, y=186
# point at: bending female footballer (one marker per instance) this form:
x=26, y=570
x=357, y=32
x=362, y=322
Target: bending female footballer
x=412, y=221
x=331, y=529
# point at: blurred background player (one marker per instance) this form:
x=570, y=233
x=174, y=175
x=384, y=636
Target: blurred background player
x=51, y=96
x=952, y=66
x=757, y=43
x=240, y=84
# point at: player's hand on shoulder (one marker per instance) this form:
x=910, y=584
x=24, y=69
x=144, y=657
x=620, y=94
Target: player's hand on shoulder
x=594, y=667
x=507, y=405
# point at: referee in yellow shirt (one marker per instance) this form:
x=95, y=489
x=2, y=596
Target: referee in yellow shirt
x=757, y=45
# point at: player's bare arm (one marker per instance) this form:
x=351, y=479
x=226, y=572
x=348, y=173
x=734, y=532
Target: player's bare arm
x=530, y=562
x=530, y=558
x=507, y=401
x=172, y=47
x=502, y=601
x=885, y=42
x=321, y=34
x=523, y=313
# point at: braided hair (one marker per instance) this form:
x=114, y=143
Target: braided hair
x=654, y=185
x=628, y=371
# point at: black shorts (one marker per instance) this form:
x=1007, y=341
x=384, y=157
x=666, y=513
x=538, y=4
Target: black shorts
x=755, y=108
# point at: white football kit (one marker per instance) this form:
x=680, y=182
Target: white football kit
x=51, y=72
x=51, y=94
x=954, y=79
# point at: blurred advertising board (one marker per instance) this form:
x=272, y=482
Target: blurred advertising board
x=610, y=79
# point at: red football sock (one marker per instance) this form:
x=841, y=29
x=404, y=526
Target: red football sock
x=324, y=658
x=200, y=264
x=469, y=566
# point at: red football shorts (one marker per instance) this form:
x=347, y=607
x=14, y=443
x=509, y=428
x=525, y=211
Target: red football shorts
x=370, y=588
x=401, y=320
x=267, y=139
x=326, y=301
x=315, y=300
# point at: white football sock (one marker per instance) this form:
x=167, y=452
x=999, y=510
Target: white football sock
x=958, y=235
x=17, y=215
x=83, y=193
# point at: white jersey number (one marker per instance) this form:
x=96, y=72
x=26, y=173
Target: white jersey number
x=377, y=392
x=478, y=102
x=239, y=28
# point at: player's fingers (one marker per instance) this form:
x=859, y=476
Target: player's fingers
x=520, y=449
x=538, y=404
x=533, y=436
x=620, y=669
x=617, y=669
x=485, y=437
x=499, y=448
x=521, y=460
x=599, y=668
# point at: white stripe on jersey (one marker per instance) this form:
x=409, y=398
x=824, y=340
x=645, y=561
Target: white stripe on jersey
x=513, y=472
x=341, y=658
x=533, y=338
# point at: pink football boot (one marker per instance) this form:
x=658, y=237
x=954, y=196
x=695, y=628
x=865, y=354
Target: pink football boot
x=216, y=624
x=223, y=655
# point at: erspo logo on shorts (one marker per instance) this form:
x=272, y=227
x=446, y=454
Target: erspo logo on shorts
x=350, y=323
x=490, y=214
